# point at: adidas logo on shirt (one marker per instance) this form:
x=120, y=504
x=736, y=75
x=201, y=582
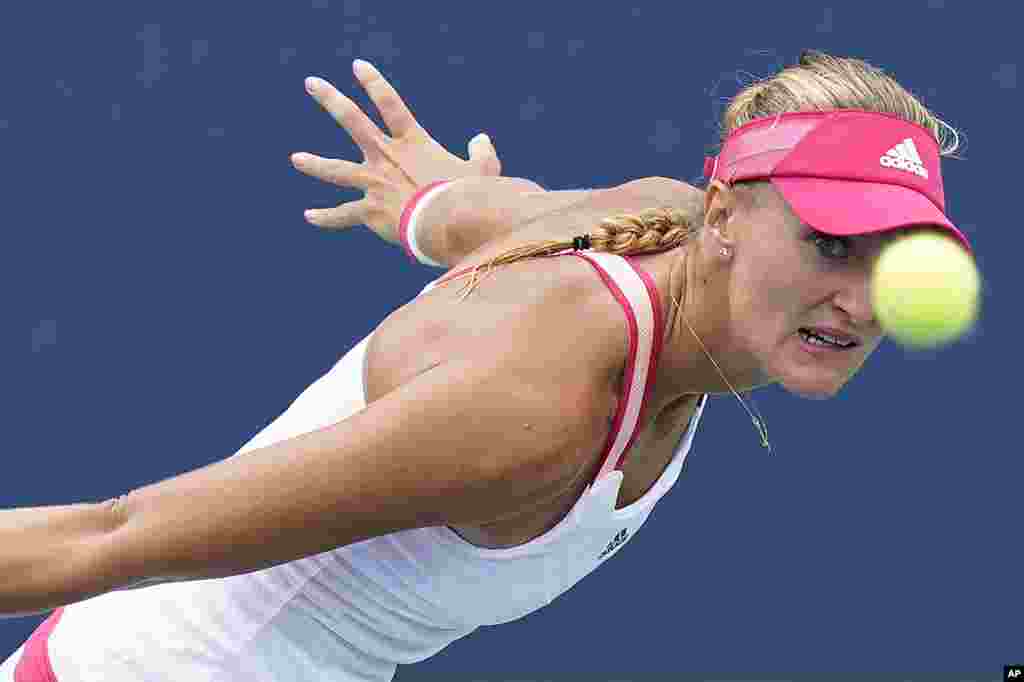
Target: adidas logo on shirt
x=904, y=156
x=619, y=538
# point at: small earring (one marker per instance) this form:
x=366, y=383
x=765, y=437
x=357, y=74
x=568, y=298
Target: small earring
x=724, y=251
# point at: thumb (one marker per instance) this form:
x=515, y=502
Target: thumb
x=483, y=154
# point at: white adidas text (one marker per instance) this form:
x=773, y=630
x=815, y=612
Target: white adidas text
x=904, y=156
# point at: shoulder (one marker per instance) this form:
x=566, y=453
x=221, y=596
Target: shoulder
x=552, y=319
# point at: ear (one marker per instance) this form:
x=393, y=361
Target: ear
x=719, y=205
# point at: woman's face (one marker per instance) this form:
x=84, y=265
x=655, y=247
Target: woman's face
x=788, y=281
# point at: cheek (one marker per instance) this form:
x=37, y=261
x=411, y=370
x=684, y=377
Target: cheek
x=768, y=295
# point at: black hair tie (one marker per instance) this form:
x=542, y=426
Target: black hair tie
x=580, y=243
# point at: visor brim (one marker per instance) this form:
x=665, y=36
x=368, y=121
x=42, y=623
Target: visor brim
x=846, y=207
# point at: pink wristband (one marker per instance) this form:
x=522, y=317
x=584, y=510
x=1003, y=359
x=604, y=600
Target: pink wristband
x=407, y=223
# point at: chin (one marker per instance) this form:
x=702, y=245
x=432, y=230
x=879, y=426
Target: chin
x=811, y=392
x=810, y=378
x=812, y=385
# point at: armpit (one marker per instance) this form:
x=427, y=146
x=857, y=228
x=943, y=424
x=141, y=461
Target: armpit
x=675, y=417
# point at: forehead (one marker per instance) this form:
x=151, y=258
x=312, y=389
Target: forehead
x=762, y=196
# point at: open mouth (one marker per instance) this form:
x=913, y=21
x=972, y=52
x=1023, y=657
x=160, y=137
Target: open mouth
x=819, y=338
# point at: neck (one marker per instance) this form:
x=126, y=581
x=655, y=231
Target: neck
x=696, y=355
x=690, y=293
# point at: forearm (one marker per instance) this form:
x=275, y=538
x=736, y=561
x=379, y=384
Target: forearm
x=474, y=211
x=48, y=556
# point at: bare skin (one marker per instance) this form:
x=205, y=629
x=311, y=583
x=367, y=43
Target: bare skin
x=778, y=277
x=332, y=487
x=744, y=308
x=436, y=327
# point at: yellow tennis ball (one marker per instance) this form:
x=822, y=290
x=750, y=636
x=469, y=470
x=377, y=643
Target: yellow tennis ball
x=924, y=289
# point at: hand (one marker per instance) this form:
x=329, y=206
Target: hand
x=394, y=167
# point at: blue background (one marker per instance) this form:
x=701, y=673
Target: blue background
x=150, y=211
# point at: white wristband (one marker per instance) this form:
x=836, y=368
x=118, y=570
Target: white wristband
x=410, y=221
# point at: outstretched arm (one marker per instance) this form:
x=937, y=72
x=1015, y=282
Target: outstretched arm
x=397, y=464
x=479, y=208
x=474, y=211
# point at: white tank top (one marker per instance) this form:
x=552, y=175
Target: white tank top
x=356, y=612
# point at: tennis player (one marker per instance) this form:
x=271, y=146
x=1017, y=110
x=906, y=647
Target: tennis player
x=484, y=449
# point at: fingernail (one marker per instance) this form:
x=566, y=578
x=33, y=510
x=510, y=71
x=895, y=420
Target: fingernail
x=360, y=64
x=308, y=215
x=312, y=84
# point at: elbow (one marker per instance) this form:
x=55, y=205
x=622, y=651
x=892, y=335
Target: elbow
x=664, y=189
x=525, y=185
x=117, y=512
x=105, y=564
x=133, y=551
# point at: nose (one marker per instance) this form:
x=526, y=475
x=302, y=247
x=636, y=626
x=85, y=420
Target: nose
x=854, y=299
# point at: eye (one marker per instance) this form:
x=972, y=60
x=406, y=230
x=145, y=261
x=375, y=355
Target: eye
x=830, y=246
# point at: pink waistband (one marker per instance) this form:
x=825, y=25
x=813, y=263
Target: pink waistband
x=34, y=665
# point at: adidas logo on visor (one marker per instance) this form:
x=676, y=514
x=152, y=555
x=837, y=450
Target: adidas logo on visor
x=904, y=156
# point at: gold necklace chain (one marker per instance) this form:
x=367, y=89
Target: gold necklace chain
x=759, y=424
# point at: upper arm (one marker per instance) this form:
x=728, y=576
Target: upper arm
x=464, y=443
x=480, y=211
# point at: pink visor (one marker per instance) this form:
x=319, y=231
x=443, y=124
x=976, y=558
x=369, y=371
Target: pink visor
x=843, y=172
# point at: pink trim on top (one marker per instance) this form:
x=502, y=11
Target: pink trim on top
x=630, y=373
x=403, y=221
x=656, y=346
x=34, y=665
x=627, y=382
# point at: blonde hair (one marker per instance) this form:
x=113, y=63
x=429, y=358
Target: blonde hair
x=818, y=82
